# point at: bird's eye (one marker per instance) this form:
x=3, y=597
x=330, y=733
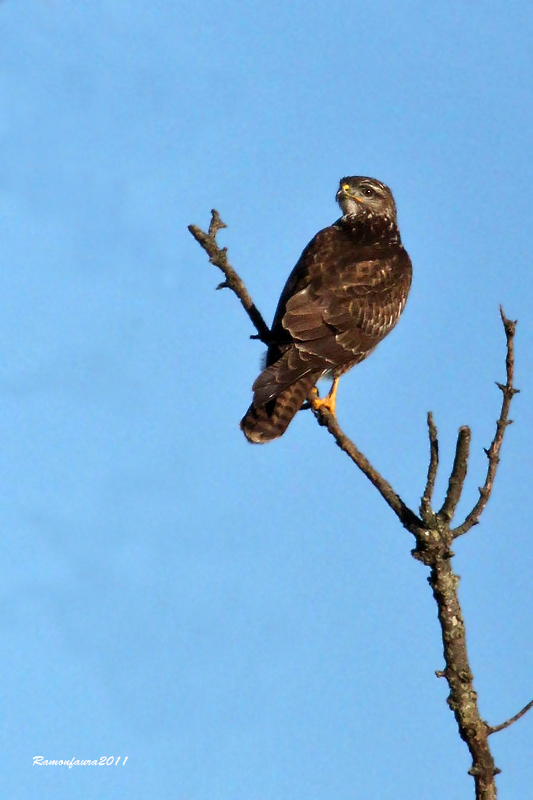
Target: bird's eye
x=368, y=192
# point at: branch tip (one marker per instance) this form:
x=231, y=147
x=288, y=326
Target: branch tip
x=425, y=503
x=218, y=257
x=493, y=452
x=458, y=474
x=216, y=223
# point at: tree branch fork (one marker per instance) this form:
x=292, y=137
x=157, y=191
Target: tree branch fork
x=433, y=531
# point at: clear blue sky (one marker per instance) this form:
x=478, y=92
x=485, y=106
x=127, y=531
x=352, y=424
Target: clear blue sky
x=247, y=623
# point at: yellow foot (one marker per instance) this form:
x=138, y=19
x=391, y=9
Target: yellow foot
x=327, y=402
x=323, y=402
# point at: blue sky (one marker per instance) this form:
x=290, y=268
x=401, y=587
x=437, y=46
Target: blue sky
x=247, y=622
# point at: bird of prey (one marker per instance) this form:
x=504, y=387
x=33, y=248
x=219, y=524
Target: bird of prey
x=345, y=294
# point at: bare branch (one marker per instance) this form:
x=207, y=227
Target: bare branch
x=217, y=256
x=407, y=517
x=458, y=475
x=433, y=534
x=495, y=728
x=425, y=503
x=493, y=453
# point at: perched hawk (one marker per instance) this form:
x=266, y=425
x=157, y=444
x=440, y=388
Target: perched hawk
x=344, y=295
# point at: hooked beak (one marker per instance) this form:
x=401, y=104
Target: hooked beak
x=346, y=191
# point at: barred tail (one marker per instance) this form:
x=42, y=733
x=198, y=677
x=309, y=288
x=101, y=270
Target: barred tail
x=263, y=423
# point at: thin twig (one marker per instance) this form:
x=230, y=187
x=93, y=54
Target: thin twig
x=493, y=453
x=495, y=728
x=407, y=517
x=458, y=475
x=425, y=503
x=217, y=256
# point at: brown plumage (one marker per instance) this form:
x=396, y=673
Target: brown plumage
x=344, y=295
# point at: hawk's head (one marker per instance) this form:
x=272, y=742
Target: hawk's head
x=366, y=197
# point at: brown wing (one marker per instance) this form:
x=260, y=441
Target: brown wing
x=342, y=314
x=340, y=300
